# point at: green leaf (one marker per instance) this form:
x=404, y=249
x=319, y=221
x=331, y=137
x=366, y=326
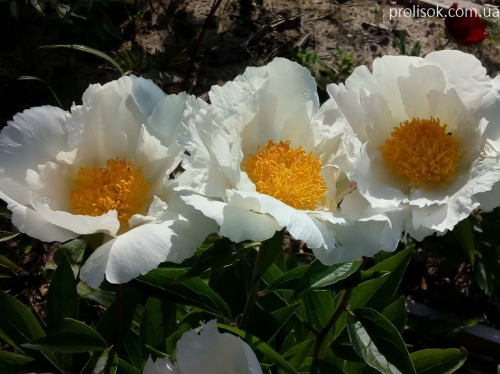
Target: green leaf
x=357, y=278
x=17, y=324
x=377, y=293
x=319, y=275
x=11, y=359
x=5, y=213
x=281, y=316
x=378, y=342
x=132, y=345
x=463, y=233
x=62, y=298
x=84, y=48
x=4, y=261
x=159, y=283
x=299, y=352
x=319, y=308
x=268, y=252
x=74, y=251
x=107, y=363
x=287, y=281
x=396, y=314
x=105, y=298
x=256, y=343
x=218, y=255
x=72, y=325
x=156, y=322
x=438, y=361
x=31, y=78
x=67, y=342
x=127, y=368
x=109, y=325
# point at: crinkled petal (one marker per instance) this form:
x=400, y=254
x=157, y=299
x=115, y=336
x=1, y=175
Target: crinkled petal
x=348, y=104
x=146, y=94
x=31, y=138
x=483, y=176
x=142, y=249
x=383, y=226
x=298, y=223
x=34, y=224
x=375, y=181
x=236, y=219
x=80, y=224
x=416, y=86
x=197, y=138
x=468, y=77
x=160, y=366
x=211, y=352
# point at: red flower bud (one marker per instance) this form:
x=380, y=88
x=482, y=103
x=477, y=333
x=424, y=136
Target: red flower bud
x=465, y=30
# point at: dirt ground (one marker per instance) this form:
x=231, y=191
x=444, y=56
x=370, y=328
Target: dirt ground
x=157, y=38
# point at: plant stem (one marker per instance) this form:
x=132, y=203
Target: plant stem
x=196, y=52
x=118, y=326
x=268, y=252
x=323, y=333
x=251, y=299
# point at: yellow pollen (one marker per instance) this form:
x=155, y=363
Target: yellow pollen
x=422, y=153
x=116, y=187
x=289, y=175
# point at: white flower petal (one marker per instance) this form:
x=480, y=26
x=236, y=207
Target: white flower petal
x=34, y=224
x=161, y=366
x=298, y=223
x=142, y=249
x=383, y=226
x=146, y=94
x=414, y=89
x=236, y=221
x=201, y=163
x=40, y=193
x=468, y=77
x=30, y=139
x=211, y=352
x=349, y=106
x=375, y=181
x=154, y=160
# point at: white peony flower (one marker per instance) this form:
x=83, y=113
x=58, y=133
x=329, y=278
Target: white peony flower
x=262, y=157
x=209, y=352
x=415, y=140
x=101, y=169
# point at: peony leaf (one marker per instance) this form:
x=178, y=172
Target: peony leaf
x=378, y=342
x=62, y=298
x=319, y=275
x=287, y=281
x=377, y=293
x=108, y=325
x=67, y=342
x=11, y=359
x=160, y=283
x=438, y=361
x=84, y=48
x=463, y=233
x=396, y=314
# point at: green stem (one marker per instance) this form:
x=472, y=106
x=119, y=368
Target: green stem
x=323, y=333
x=251, y=299
x=268, y=252
x=118, y=326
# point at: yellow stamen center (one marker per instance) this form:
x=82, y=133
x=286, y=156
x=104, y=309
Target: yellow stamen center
x=115, y=187
x=289, y=175
x=422, y=153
